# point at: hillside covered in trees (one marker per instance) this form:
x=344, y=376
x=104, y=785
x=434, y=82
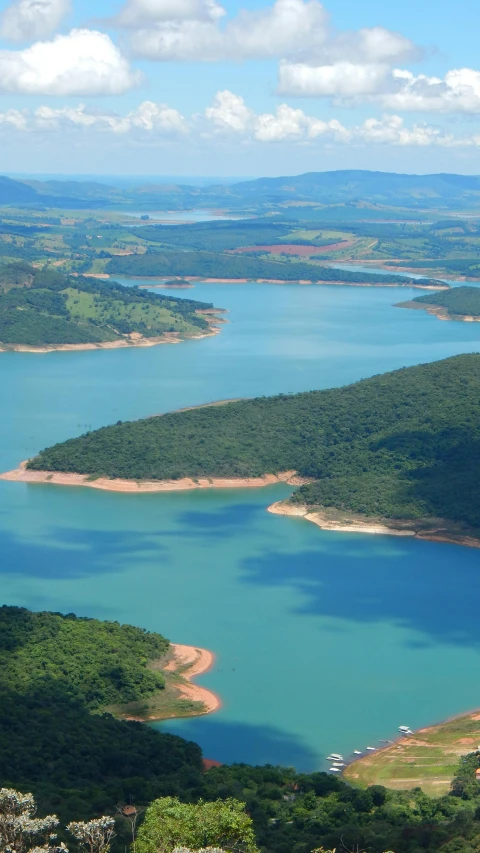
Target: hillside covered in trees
x=457, y=302
x=44, y=307
x=161, y=264
x=57, y=673
x=403, y=445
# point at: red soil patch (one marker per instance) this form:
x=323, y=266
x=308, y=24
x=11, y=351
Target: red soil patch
x=208, y=763
x=293, y=249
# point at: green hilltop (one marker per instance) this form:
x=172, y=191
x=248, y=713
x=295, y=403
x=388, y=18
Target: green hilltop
x=44, y=307
x=403, y=445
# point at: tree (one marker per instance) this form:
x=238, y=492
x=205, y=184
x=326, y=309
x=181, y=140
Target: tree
x=94, y=836
x=20, y=830
x=170, y=824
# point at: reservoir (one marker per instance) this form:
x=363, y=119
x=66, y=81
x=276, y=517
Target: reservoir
x=324, y=641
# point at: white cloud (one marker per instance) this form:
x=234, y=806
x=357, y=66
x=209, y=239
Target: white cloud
x=351, y=83
x=340, y=80
x=189, y=30
x=230, y=115
x=27, y=20
x=227, y=120
x=84, y=62
x=457, y=92
x=288, y=27
x=140, y=13
x=148, y=117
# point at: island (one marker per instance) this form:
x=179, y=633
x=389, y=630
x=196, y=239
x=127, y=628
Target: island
x=458, y=303
x=42, y=309
x=397, y=453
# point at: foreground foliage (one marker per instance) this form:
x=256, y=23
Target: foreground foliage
x=402, y=445
x=221, y=823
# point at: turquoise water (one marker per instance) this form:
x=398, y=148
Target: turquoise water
x=324, y=641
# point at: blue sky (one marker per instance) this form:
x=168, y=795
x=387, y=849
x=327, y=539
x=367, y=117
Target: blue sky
x=238, y=87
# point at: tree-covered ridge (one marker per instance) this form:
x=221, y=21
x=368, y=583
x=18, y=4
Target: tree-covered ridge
x=207, y=264
x=459, y=301
x=54, y=671
x=46, y=307
x=102, y=663
x=404, y=444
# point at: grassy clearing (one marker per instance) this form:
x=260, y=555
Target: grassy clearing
x=428, y=760
x=90, y=306
x=162, y=706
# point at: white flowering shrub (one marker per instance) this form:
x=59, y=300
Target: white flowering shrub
x=94, y=836
x=20, y=830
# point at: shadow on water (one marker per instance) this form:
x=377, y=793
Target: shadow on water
x=75, y=553
x=426, y=587
x=225, y=522
x=230, y=741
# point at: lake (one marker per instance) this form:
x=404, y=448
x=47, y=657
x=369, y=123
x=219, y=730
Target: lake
x=324, y=641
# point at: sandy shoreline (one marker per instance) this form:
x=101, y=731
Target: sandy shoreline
x=23, y=475
x=438, y=311
x=343, y=522
x=186, y=662
x=201, y=280
x=191, y=661
x=433, y=530
x=137, y=341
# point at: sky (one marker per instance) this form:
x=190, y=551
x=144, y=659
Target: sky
x=238, y=87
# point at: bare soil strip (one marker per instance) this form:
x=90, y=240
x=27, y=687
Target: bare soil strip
x=434, y=530
x=24, y=475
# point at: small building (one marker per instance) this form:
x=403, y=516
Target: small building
x=477, y=774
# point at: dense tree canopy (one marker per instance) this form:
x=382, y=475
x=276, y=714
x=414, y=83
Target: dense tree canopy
x=401, y=445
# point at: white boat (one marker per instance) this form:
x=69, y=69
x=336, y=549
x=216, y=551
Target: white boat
x=336, y=756
x=339, y=764
x=356, y=752
x=334, y=770
x=372, y=748
x=405, y=730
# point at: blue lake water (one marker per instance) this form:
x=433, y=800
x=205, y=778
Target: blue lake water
x=324, y=641
x=194, y=215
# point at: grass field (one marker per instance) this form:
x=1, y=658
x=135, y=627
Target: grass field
x=427, y=760
x=158, y=319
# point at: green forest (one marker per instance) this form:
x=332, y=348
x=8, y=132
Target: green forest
x=402, y=445
x=458, y=301
x=81, y=764
x=45, y=307
x=217, y=265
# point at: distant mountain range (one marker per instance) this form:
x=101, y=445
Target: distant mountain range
x=353, y=188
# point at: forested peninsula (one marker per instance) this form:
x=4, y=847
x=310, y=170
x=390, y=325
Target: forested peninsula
x=458, y=303
x=400, y=450
x=65, y=684
x=43, y=309
x=216, y=265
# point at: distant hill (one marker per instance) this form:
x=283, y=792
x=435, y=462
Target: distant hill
x=354, y=186
x=403, y=445
x=344, y=187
